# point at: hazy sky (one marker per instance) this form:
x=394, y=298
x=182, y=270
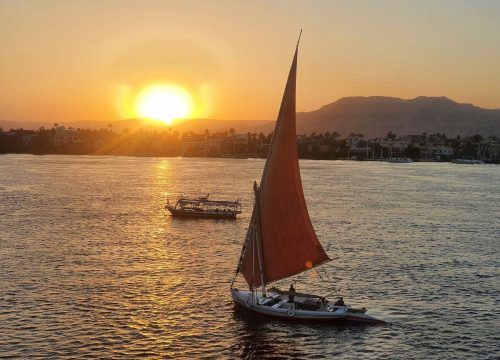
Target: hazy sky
x=87, y=60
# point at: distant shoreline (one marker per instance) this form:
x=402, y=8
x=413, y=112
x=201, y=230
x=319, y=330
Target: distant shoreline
x=229, y=144
x=493, y=162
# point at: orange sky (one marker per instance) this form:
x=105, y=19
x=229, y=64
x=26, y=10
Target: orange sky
x=88, y=60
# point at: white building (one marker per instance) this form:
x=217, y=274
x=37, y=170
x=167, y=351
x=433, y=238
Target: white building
x=64, y=137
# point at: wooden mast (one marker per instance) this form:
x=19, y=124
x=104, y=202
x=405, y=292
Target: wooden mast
x=258, y=238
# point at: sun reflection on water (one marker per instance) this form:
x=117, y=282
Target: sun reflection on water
x=86, y=274
x=163, y=172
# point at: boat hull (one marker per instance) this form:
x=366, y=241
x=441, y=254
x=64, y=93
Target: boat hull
x=243, y=301
x=467, y=161
x=200, y=214
x=400, y=160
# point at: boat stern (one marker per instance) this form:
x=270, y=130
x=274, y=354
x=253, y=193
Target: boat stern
x=360, y=317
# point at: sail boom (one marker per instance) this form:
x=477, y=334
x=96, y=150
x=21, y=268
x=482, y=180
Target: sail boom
x=299, y=272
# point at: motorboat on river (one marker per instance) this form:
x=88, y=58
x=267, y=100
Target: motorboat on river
x=468, y=161
x=280, y=241
x=205, y=208
x=400, y=160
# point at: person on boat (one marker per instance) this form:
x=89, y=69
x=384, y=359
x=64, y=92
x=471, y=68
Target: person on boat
x=340, y=302
x=322, y=303
x=291, y=294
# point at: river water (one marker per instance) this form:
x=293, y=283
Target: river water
x=91, y=265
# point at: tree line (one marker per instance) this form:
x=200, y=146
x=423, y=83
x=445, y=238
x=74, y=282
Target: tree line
x=327, y=145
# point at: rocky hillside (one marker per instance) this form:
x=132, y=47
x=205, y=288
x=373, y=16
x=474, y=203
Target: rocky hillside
x=376, y=115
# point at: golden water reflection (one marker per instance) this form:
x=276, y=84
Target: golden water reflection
x=93, y=266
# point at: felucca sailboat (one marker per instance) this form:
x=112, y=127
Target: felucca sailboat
x=280, y=241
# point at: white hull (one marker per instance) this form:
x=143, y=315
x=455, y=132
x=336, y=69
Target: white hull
x=277, y=306
x=400, y=160
x=467, y=161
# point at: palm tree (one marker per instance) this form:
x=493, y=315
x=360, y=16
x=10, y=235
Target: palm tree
x=390, y=136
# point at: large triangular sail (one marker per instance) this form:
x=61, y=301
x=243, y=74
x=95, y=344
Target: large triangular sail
x=281, y=241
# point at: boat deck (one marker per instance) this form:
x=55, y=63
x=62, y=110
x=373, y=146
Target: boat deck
x=302, y=308
x=203, y=208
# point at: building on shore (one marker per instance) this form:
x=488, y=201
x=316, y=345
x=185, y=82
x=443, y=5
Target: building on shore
x=63, y=136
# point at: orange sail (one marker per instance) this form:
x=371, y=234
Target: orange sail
x=284, y=242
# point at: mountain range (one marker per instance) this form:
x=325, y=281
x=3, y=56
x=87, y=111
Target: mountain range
x=376, y=116
x=371, y=116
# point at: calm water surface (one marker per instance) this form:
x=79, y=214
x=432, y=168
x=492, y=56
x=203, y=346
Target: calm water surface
x=92, y=266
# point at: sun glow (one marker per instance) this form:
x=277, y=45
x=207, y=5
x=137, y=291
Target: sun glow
x=164, y=103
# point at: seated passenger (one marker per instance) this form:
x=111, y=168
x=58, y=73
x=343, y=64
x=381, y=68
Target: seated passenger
x=322, y=303
x=291, y=293
x=340, y=302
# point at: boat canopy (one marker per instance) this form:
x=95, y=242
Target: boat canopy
x=205, y=201
x=285, y=242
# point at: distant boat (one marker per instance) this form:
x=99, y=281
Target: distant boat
x=400, y=160
x=280, y=240
x=467, y=161
x=238, y=156
x=204, y=208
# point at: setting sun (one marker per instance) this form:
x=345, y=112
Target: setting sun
x=164, y=103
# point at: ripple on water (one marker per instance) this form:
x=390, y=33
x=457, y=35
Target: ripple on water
x=92, y=266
